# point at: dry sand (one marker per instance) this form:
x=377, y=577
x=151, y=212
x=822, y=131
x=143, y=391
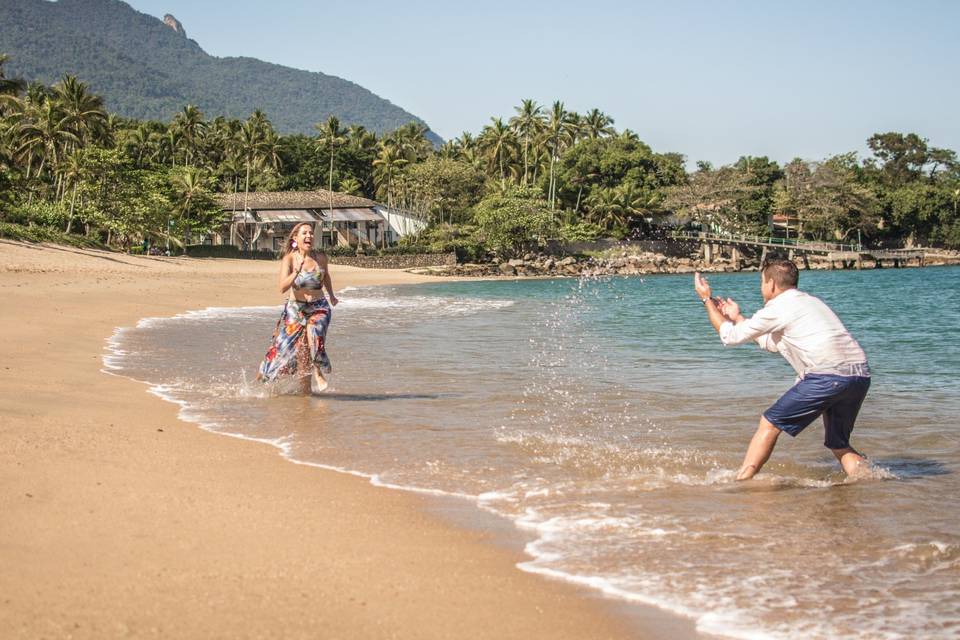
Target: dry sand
x=119, y=520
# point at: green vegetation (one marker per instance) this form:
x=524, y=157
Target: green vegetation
x=68, y=165
x=146, y=70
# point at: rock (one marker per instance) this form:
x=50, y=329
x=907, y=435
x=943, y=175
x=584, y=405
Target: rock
x=684, y=268
x=517, y=262
x=174, y=24
x=508, y=269
x=569, y=260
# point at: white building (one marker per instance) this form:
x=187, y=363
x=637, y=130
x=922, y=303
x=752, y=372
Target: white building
x=261, y=220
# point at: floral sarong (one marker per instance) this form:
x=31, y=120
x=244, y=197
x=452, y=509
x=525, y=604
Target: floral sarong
x=298, y=321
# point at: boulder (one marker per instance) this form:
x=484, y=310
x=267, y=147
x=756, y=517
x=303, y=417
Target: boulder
x=507, y=269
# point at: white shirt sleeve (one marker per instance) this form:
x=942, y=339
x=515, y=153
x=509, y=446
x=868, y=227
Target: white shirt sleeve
x=770, y=342
x=763, y=322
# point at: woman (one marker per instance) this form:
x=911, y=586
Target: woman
x=299, y=340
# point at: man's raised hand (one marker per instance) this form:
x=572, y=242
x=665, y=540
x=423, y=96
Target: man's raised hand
x=701, y=286
x=730, y=309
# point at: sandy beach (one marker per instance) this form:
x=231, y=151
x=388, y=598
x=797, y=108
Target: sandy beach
x=119, y=520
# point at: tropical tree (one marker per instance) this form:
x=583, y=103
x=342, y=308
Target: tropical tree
x=606, y=209
x=558, y=133
x=511, y=220
x=44, y=134
x=84, y=109
x=250, y=145
x=597, y=124
x=330, y=137
x=191, y=126
x=713, y=198
x=193, y=201
x=386, y=167
x=73, y=172
x=498, y=140
x=528, y=124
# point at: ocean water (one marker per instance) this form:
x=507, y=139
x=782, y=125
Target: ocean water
x=604, y=418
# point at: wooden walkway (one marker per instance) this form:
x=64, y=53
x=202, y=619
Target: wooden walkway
x=848, y=255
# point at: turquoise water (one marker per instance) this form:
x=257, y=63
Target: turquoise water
x=604, y=418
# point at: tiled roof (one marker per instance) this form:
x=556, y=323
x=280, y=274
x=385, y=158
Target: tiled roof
x=292, y=200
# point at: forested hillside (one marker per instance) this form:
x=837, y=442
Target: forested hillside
x=144, y=69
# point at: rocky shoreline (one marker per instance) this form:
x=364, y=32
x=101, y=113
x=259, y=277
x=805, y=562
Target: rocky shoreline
x=627, y=263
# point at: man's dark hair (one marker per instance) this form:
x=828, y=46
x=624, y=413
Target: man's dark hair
x=783, y=273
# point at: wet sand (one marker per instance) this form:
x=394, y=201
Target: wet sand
x=119, y=520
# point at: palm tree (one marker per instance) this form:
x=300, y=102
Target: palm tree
x=107, y=132
x=558, y=132
x=497, y=139
x=637, y=204
x=137, y=143
x=45, y=133
x=73, y=171
x=576, y=128
x=361, y=139
x=528, y=123
x=449, y=150
x=606, y=208
x=597, y=124
x=191, y=126
x=189, y=187
x=388, y=163
x=84, y=109
x=250, y=143
x=160, y=146
x=330, y=136
x=411, y=140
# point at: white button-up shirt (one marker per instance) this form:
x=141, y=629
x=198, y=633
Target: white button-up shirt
x=805, y=331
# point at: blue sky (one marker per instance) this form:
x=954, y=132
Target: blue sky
x=712, y=80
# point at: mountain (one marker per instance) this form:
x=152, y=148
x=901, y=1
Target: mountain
x=148, y=69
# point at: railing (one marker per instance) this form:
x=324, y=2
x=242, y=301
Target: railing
x=792, y=243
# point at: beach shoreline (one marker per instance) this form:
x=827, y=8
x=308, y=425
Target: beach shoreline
x=121, y=520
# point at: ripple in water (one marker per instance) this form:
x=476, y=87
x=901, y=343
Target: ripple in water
x=603, y=417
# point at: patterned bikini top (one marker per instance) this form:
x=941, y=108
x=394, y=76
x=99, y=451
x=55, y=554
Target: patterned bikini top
x=309, y=279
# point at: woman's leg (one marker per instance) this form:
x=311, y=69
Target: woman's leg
x=304, y=362
x=315, y=341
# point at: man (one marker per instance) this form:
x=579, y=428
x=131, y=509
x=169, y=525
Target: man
x=833, y=370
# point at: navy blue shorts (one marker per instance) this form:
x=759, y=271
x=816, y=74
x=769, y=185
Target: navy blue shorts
x=836, y=398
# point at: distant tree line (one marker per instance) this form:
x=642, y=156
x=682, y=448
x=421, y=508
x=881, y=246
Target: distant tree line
x=545, y=172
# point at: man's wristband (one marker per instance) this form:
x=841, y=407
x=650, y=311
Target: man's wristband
x=704, y=300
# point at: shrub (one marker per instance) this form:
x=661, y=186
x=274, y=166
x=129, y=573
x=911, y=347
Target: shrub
x=581, y=232
x=37, y=233
x=39, y=212
x=511, y=221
